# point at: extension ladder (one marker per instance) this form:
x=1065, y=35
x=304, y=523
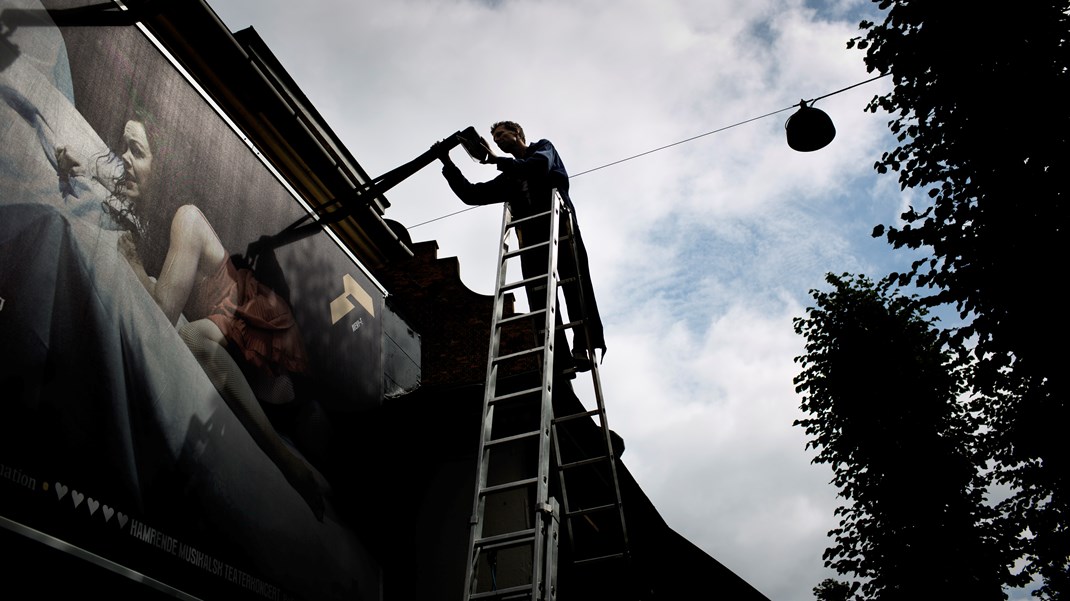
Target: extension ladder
x=513, y=549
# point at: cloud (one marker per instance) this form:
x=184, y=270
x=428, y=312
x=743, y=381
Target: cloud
x=708, y=427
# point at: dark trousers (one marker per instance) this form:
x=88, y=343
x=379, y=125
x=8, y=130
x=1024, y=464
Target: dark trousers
x=535, y=264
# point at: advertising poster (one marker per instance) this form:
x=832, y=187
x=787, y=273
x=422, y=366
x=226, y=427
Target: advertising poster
x=169, y=402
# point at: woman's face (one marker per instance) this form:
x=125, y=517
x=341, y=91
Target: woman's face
x=137, y=158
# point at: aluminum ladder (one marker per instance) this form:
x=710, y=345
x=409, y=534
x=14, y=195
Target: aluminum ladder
x=513, y=549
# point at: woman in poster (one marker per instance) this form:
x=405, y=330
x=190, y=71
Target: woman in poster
x=223, y=313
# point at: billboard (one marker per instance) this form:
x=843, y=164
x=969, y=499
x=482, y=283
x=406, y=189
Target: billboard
x=170, y=404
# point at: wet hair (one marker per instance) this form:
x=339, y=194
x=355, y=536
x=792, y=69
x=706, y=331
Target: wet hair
x=148, y=220
x=122, y=209
x=512, y=126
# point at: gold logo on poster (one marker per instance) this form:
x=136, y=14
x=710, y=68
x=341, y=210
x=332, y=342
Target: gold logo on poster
x=341, y=306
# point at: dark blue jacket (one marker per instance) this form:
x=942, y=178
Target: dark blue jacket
x=526, y=184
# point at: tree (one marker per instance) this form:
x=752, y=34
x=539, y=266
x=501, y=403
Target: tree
x=979, y=113
x=882, y=399
x=832, y=590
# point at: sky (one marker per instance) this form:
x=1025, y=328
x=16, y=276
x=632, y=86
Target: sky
x=701, y=254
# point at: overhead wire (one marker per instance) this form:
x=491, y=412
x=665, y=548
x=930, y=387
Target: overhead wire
x=684, y=141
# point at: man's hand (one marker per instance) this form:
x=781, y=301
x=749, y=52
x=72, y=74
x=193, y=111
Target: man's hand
x=442, y=152
x=491, y=159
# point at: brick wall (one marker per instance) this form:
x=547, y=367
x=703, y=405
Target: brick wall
x=452, y=320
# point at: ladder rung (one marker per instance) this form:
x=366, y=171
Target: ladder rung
x=590, y=510
x=515, y=395
x=571, y=324
x=514, y=222
x=599, y=558
x=522, y=591
x=561, y=328
x=522, y=283
x=583, y=462
x=566, y=418
x=519, y=354
x=513, y=438
x=519, y=316
x=508, y=486
x=559, y=282
x=525, y=249
x=508, y=539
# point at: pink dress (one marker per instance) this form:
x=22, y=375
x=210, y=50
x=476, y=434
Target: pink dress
x=255, y=320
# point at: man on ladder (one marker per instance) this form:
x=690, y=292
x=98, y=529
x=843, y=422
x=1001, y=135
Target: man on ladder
x=526, y=182
x=532, y=432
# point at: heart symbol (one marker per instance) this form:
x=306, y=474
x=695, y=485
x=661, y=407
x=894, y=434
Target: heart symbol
x=122, y=520
x=77, y=497
x=93, y=505
x=108, y=512
x=61, y=490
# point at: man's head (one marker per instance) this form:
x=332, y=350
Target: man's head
x=509, y=136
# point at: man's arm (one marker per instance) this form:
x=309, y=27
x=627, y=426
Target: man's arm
x=484, y=193
x=538, y=163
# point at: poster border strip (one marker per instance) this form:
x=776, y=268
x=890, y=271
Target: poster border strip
x=93, y=558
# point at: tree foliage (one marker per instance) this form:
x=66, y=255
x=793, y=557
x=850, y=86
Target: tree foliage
x=882, y=399
x=979, y=111
x=832, y=590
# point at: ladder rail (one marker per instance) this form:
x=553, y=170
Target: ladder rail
x=482, y=465
x=543, y=572
x=600, y=406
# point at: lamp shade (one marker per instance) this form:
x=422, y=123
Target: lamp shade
x=809, y=129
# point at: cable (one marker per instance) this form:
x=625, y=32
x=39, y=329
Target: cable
x=445, y=216
x=641, y=154
x=724, y=128
x=854, y=86
x=692, y=138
